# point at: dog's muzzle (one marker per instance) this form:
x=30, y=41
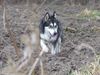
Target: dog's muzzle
x=54, y=34
x=54, y=37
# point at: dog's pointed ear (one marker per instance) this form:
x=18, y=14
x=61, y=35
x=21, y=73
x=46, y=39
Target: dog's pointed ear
x=46, y=17
x=54, y=14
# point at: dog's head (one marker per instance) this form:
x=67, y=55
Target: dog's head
x=50, y=24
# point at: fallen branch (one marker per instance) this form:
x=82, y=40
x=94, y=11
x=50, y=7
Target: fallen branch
x=4, y=23
x=72, y=30
x=4, y=16
x=42, y=69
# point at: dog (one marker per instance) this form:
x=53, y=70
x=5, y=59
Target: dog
x=50, y=33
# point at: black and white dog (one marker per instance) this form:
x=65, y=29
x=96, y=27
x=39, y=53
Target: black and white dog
x=50, y=33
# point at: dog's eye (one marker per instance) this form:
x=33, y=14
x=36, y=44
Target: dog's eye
x=50, y=26
x=55, y=26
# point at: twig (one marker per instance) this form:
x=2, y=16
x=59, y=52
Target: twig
x=72, y=30
x=41, y=53
x=4, y=16
x=42, y=70
x=36, y=61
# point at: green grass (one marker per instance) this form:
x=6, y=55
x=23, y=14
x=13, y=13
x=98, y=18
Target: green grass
x=89, y=14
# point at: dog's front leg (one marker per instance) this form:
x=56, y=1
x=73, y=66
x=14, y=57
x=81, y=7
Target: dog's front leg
x=44, y=46
x=53, y=52
x=58, y=46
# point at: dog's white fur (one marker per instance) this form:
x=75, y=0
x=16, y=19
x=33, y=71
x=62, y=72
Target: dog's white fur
x=50, y=33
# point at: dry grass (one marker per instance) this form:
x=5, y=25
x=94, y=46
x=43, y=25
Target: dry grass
x=95, y=29
x=89, y=14
x=92, y=68
x=10, y=69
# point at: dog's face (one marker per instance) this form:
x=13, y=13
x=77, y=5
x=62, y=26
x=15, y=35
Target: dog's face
x=51, y=24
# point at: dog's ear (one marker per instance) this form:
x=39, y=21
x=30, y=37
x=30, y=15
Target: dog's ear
x=54, y=14
x=46, y=17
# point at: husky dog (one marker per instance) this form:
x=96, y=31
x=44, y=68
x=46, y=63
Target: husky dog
x=50, y=33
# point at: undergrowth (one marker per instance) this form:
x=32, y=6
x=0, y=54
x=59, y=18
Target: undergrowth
x=92, y=68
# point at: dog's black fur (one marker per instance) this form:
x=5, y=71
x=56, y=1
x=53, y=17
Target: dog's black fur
x=46, y=22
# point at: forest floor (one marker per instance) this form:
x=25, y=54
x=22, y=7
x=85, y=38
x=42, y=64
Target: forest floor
x=81, y=38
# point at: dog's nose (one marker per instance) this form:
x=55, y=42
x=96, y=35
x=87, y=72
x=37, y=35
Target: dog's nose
x=55, y=34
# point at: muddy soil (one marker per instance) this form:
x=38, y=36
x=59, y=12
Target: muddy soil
x=78, y=47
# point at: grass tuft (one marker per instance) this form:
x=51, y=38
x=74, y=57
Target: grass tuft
x=90, y=69
x=89, y=14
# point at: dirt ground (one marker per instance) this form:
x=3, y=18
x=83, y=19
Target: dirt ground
x=78, y=45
